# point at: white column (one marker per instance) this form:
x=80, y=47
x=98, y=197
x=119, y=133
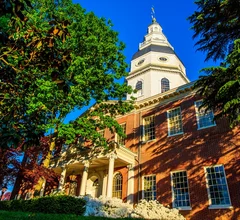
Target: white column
x=104, y=186
x=112, y=157
x=130, y=186
x=62, y=179
x=84, y=179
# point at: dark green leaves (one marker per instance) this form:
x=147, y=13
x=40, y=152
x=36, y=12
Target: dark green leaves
x=217, y=24
x=221, y=87
x=59, y=58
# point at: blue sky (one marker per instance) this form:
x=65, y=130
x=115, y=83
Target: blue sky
x=132, y=17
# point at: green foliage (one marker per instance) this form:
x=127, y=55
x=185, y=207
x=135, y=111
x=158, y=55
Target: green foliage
x=37, y=216
x=222, y=87
x=5, y=205
x=57, y=58
x=49, y=204
x=217, y=23
x=40, y=216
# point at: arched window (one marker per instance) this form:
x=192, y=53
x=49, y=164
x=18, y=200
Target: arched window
x=117, y=186
x=165, y=85
x=139, y=88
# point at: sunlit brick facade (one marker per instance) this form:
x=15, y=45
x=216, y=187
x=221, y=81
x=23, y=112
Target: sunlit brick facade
x=173, y=151
x=192, y=151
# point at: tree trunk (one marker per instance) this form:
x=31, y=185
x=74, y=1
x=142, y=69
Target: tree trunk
x=46, y=163
x=18, y=180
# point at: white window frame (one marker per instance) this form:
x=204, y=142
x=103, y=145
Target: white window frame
x=117, y=173
x=173, y=204
x=140, y=91
x=117, y=137
x=152, y=175
x=227, y=206
x=197, y=116
x=143, y=128
x=170, y=135
x=162, y=84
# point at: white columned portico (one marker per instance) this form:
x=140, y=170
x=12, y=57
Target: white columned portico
x=112, y=158
x=84, y=178
x=130, y=186
x=62, y=179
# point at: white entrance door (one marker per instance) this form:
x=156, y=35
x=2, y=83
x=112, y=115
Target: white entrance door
x=93, y=187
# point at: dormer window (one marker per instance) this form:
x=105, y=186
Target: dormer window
x=165, y=85
x=139, y=88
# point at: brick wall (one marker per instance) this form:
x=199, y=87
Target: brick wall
x=190, y=151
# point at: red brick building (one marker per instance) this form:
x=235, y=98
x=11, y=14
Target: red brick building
x=174, y=152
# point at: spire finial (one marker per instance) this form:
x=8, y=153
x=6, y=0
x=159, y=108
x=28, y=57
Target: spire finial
x=153, y=15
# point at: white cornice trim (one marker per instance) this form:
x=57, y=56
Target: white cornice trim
x=154, y=67
x=162, y=98
x=126, y=150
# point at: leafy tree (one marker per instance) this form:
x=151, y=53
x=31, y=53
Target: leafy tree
x=10, y=164
x=56, y=58
x=30, y=169
x=221, y=87
x=217, y=24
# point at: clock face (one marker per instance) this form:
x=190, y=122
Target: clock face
x=163, y=59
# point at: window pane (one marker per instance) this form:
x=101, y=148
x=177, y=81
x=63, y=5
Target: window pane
x=180, y=189
x=204, y=118
x=121, y=140
x=139, y=88
x=217, y=185
x=149, y=188
x=165, y=85
x=175, y=121
x=148, y=128
x=139, y=85
x=117, y=186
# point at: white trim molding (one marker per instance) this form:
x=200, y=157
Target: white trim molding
x=180, y=185
x=204, y=119
x=217, y=187
x=177, y=118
